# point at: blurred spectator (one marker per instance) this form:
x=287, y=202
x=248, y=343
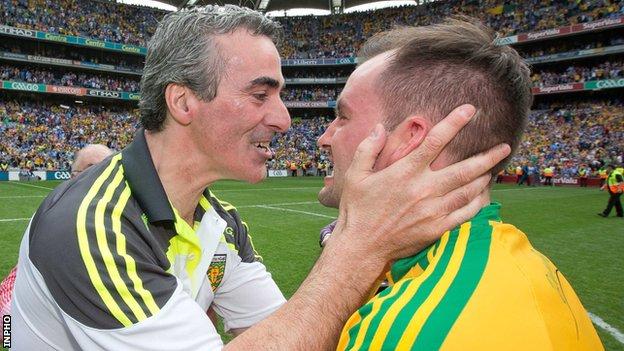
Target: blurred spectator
x=88, y=156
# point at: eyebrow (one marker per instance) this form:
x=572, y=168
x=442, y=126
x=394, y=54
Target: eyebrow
x=340, y=107
x=268, y=81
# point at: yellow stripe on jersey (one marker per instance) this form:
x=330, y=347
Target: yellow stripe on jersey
x=107, y=256
x=355, y=319
x=393, y=311
x=85, y=251
x=120, y=238
x=434, y=298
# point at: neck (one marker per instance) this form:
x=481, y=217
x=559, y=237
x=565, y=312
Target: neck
x=183, y=173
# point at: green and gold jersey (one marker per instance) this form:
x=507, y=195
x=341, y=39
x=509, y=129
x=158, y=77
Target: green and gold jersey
x=482, y=286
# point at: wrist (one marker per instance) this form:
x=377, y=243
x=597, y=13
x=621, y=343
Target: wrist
x=346, y=251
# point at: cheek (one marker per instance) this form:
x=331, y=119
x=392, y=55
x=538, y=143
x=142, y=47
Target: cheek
x=345, y=146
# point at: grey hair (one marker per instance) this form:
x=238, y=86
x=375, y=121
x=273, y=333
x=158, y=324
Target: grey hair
x=183, y=50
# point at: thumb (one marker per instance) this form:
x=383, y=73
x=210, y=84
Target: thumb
x=368, y=151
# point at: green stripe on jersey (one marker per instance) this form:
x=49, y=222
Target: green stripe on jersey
x=396, y=291
x=405, y=315
x=443, y=317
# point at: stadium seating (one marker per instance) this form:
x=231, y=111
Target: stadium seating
x=567, y=135
x=39, y=133
x=42, y=135
x=68, y=78
x=571, y=74
x=338, y=36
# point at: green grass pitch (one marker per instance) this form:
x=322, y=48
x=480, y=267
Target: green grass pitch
x=285, y=219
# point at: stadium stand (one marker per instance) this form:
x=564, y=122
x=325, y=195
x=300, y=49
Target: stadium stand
x=64, y=77
x=577, y=117
x=39, y=135
x=567, y=135
x=104, y=20
x=572, y=74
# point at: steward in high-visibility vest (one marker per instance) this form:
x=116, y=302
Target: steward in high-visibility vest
x=548, y=175
x=583, y=173
x=602, y=174
x=615, y=186
x=615, y=182
x=293, y=169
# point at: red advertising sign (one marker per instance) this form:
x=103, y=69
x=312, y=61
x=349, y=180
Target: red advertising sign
x=65, y=90
x=558, y=88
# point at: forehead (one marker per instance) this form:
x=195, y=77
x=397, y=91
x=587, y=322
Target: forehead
x=362, y=90
x=247, y=54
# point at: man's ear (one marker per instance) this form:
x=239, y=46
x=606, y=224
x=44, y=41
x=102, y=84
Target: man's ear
x=176, y=97
x=409, y=134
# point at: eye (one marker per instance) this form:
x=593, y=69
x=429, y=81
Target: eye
x=340, y=117
x=261, y=96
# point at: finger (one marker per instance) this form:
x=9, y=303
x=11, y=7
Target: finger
x=462, y=196
x=368, y=150
x=465, y=213
x=464, y=172
x=441, y=134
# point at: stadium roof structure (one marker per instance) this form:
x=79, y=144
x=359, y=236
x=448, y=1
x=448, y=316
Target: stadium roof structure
x=335, y=6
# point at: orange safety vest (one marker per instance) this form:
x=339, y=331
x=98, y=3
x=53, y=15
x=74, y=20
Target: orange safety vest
x=613, y=184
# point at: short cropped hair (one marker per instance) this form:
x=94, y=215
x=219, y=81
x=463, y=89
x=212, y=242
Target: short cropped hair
x=183, y=50
x=437, y=68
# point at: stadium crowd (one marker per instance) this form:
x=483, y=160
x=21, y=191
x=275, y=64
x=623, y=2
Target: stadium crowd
x=341, y=36
x=565, y=136
x=103, y=20
x=297, y=149
x=576, y=73
x=568, y=135
x=311, y=93
x=38, y=136
x=559, y=47
x=334, y=72
x=65, y=77
x=71, y=53
x=337, y=36
x=69, y=78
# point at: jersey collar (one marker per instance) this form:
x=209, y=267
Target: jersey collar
x=144, y=182
x=402, y=266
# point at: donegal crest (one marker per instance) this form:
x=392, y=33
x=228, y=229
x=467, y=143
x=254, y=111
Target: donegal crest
x=216, y=270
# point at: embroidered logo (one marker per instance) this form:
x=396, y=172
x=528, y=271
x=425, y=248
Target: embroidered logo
x=216, y=270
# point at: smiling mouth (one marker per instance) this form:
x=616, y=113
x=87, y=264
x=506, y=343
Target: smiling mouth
x=264, y=146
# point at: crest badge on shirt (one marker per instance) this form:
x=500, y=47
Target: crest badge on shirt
x=216, y=270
